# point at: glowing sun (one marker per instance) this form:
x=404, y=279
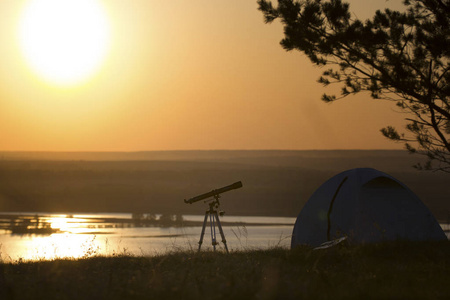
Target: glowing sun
x=64, y=41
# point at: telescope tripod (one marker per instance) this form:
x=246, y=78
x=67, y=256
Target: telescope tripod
x=213, y=217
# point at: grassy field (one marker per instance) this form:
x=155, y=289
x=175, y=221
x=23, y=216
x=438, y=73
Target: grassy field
x=401, y=270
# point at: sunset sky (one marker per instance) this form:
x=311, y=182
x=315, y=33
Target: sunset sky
x=170, y=75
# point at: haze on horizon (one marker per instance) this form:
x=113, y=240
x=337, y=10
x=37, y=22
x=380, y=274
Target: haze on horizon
x=184, y=75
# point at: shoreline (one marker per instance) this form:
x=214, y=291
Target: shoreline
x=29, y=223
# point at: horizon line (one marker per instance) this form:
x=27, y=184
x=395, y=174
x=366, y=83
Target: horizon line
x=191, y=150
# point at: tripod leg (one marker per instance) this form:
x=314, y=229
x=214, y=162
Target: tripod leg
x=224, y=241
x=212, y=225
x=203, y=231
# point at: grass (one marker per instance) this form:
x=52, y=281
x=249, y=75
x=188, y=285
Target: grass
x=401, y=270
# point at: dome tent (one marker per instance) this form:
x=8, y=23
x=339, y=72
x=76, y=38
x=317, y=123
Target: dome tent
x=365, y=205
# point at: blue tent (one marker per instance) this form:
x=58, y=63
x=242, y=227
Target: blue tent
x=364, y=205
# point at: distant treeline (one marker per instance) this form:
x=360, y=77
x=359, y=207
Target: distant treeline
x=276, y=183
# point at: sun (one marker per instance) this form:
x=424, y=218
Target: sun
x=64, y=41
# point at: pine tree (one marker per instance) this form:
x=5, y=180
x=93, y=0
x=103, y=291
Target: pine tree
x=396, y=56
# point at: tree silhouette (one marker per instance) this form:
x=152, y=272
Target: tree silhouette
x=396, y=56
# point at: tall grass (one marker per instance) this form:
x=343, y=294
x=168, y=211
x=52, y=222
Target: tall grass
x=403, y=270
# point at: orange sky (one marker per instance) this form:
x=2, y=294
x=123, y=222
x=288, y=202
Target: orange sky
x=184, y=75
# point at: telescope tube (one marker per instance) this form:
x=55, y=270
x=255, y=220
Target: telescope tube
x=214, y=193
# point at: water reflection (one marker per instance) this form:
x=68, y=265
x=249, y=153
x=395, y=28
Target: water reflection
x=29, y=225
x=76, y=236
x=62, y=246
x=71, y=224
x=26, y=224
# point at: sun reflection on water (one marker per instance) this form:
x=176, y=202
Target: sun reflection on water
x=46, y=236
x=69, y=224
x=63, y=245
x=51, y=236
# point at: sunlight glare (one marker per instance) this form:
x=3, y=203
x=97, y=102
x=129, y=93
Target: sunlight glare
x=69, y=224
x=64, y=41
x=58, y=246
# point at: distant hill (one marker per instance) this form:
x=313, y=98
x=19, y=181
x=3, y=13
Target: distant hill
x=247, y=156
x=275, y=182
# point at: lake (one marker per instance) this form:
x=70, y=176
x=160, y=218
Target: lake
x=83, y=235
x=51, y=236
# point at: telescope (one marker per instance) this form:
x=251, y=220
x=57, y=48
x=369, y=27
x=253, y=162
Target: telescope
x=214, y=193
x=213, y=214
